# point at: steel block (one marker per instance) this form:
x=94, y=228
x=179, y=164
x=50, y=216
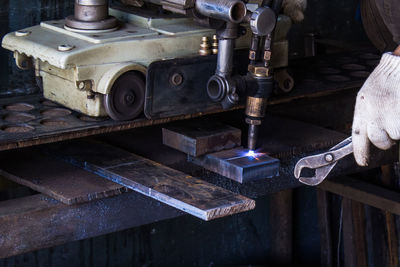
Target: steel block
x=198, y=138
x=237, y=165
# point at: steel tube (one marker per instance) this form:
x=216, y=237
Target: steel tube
x=225, y=57
x=227, y=10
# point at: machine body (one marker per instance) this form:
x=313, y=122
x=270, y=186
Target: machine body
x=96, y=60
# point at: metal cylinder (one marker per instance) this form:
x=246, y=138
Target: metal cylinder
x=225, y=57
x=252, y=136
x=91, y=15
x=227, y=10
x=255, y=107
x=91, y=10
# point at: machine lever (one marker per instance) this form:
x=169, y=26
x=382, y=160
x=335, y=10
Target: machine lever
x=322, y=163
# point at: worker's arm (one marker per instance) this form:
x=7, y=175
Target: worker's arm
x=377, y=110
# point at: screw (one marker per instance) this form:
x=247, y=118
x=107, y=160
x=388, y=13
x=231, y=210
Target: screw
x=176, y=79
x=329, y=157
x=81, y=85
x=65, y=47
x=22, y=33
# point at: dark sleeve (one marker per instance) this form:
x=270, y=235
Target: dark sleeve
x=390, y=13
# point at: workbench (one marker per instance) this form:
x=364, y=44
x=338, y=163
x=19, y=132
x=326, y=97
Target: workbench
x=37, y=159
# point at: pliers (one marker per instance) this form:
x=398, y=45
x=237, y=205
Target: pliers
x=323, y=163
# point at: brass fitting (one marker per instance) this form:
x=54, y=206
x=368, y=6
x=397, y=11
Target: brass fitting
x=205, y=48
x=258, y=71
x=215, y=45
x=255, y=107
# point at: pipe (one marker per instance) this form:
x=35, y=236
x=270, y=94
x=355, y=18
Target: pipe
x=228, y=10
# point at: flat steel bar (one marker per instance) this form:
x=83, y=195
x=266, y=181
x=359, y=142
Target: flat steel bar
x=36, y=222
x=172, y=187
x=200, y=137
x=237, y=165
x=55, y=178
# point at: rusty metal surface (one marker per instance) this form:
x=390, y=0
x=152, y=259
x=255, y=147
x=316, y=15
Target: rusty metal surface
x=55, y=178
x=27, y=127
x=34, y=222
x=199, y=137
x=237, y=165
x=169, y=186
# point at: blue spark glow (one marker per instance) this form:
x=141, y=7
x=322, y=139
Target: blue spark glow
x=251, y=153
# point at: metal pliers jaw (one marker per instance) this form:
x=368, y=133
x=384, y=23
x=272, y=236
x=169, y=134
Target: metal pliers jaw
x=323, y=163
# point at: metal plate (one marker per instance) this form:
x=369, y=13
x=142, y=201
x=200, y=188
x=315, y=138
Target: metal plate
x=237, y=165
x=199, y=137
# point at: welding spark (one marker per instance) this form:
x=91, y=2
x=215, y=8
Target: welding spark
x=251, y=153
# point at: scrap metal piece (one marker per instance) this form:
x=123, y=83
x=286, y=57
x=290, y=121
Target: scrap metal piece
x=322, y=163
x=55, y=178
x=174, y=188
x=197, y=138
x=240, y=164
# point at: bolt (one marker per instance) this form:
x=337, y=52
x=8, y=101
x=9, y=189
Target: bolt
x=176, y=79
x=22, y=33
x=329, y=157
x=81, y=85
x=129, y=98
x=65, y=47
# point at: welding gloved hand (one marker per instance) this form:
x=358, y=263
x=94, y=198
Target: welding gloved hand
x=377, y=111
x=294, y=9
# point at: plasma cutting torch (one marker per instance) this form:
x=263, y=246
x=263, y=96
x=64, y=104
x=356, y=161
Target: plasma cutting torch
x=226, y=16
x=225, y=87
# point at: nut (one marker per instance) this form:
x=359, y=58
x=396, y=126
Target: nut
x=176, y=79
x=65, y=47
x=22, y=33
x=259, y=71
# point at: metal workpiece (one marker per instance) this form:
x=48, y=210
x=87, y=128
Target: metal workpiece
x=262, y=21
x=239, y=165
x=90, y=15
x=228, y=10
x=197, y=138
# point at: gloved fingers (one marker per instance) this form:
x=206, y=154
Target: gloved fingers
x=392, y=126
x=360, y=141
x=294, y=9
x=379, y=137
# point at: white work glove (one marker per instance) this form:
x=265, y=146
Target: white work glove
x=377, y=111
x=294, y=9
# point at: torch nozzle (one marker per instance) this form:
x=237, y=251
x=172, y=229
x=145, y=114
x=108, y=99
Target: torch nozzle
x=252, y=136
